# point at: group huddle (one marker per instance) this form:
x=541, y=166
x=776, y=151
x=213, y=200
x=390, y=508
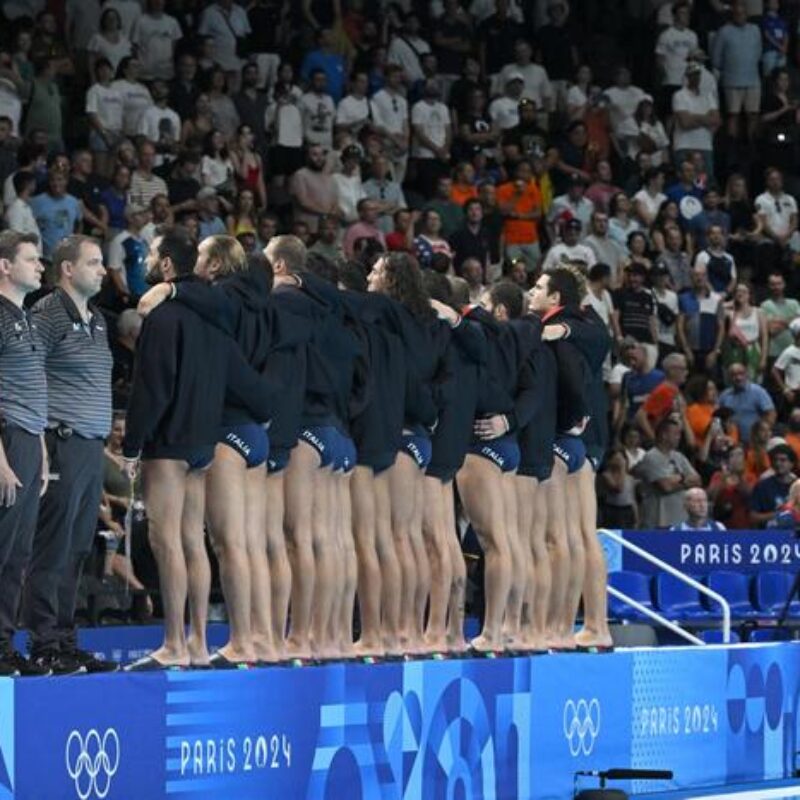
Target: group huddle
x=320, y=420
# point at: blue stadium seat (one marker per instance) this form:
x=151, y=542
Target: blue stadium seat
x=772, y=589
x=768, y=635
x=735, y=588
x=714, y=636
x=636, y=586
x=677, y=600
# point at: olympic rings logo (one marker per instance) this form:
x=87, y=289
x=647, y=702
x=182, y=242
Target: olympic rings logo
x=581, y=725
x=92, y=761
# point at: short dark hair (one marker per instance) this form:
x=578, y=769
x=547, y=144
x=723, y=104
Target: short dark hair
x=437, y=286
x=177, y=245
x=599, y=271
x=509, y=295
x=664, y=424
x=564, y=282
x=22, y=179
x=473, y=201
x=68, y=249
x=352, y=277
x=10, y=242
x=322, y=267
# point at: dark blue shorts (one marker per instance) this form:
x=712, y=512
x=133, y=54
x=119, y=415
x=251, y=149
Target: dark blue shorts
x=503, y=452
x=250, y=441
x=196, y=458
x=418, y=447
x=326, y=440
x=278, y=459
x=541, y=471
x=572, y=451
x=346, y=455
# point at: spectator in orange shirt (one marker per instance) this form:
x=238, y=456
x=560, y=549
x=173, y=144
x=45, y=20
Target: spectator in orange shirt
x=703, y=408
x=666, y=399
x=520, y=202
x=757, y=457
x=463, y=187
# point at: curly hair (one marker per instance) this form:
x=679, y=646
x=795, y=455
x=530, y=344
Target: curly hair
x=404, y=284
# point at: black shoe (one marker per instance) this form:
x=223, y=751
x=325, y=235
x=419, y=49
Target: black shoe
x=57, y=663
x=28, y=667
x=88, y=660
x=8, y=666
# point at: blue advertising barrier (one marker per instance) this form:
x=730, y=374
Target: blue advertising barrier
x=506, y=729
x=698, y=552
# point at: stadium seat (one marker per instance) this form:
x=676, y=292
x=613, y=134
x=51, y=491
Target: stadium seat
x=735, y=588
x=677, y=600
x=636, y=586
x=772, y=589
x=768, y=635
x=714, y=636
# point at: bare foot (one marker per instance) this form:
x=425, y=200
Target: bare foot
x=172, y=658
x=435, y=642
x=295, y=649
x=237, y=656
x=368, y=647
x=587, y=638
x=484, y=644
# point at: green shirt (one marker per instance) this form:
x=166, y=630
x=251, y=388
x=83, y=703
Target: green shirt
x=451, y=213
x=44, y=111
x=786, y=310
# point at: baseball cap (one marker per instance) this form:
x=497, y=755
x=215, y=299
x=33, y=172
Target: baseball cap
x=775, y=442
x=660, y=269
x=206, y=192
x=135, y=208
x=351, y=151
x=693, y=68
x=515, y=76
x=794, y=326
x=572, y=224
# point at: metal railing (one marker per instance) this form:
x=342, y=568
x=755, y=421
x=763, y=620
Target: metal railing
x=669, y=569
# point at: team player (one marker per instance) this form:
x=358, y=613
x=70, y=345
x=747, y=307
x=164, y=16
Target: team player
x=185, y=369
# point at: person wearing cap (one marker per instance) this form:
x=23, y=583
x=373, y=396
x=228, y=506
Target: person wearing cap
x=573, y=204
x=748, y=401
x=127, y=252
x=672, y=48
x=505, y=109
x=569, y=248
x=208, y=213
x=786, y=372
x=536, y=83
x=772, y=490
x=696, y=120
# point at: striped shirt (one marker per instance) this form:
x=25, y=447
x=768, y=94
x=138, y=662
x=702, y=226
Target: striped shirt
x=78, y=365
x=23, y=385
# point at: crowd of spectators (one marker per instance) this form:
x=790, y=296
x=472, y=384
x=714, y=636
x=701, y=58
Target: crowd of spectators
x=654, y=142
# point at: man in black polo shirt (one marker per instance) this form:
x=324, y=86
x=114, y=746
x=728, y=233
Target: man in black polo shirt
x=471, y=240
x=635, y=312
x=78, y=366
x=23, y=415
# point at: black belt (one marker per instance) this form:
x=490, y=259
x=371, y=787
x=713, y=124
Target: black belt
x=64, y=431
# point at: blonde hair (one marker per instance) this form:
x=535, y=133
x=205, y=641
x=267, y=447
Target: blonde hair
x=228, y=253
x=289, y=249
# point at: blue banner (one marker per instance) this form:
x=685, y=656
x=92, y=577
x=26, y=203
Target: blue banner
x=516, y=728
x=700, y=552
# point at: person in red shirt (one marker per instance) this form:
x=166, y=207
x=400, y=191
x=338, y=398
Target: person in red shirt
x=666, y=399
x=520, y=203
x=729, y=491
x=402, y=237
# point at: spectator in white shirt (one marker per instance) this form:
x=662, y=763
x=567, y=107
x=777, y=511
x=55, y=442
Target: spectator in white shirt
x=777, y=210
x=318, y=110
x=407, y=48
x=283, y=122
x=649, y=199
x=536, y=83
x=18, y=215
x=129, y=11
x=623, y=99
x=569, y=248
x=672, y=49
x=104, y=107
x=155, y=34
x=786, y=372
x=226, y=23
x=696, y=120
x=352, y=113
x=161, y=124
x=572, y=205
x=216, y=167
x=136, y=97
x=390, y=120
x=430, y=122
x=109, y=42
x=504, y=110
x=349, y=189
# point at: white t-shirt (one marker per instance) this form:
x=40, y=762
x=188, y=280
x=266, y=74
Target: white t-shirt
x=674, y=46
x=352, y=110
x=405, y=52
x=576, y=97
x=537, y=84
x=107, y=103
x=650, y=202
x=286, y=124
x=215, y=171
x=504, y=112
x=389, y=111
x=602, y=305
x=136, y=98
x=19, y=218
x=156, y=122
x=563, y=252
x=129, y=11
x=789, y=362
x=155, y=39
x=623, y=103
x=704, y=256
x=217, y=24
x=777, y=211
x=349, y=191
x=113, y=51
x=694, y=138
x=318, y=112
x=434, y=120
x=668, y=298
x=10, y=105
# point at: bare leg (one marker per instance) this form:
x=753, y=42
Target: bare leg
x=402, y=487
x=369, y=571
x=543, y=584
x=391, y=571
x=519, y=563
x=558, y=549
x=327, y=562
x=193, y=538
x=423, y=568
x=345, y=627
x=595, y=630
x=455, y=611
x=577, y=558
x=279, y=570
x=164, y=492
x=226, y=514
x=481, y=489
x=438, y=548
x=526, y=498
x=299, y=521
x=260, y=588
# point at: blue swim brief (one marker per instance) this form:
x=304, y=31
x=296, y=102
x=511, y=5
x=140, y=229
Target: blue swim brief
x=571, y=450
x=250, y=441
x=503, y=452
